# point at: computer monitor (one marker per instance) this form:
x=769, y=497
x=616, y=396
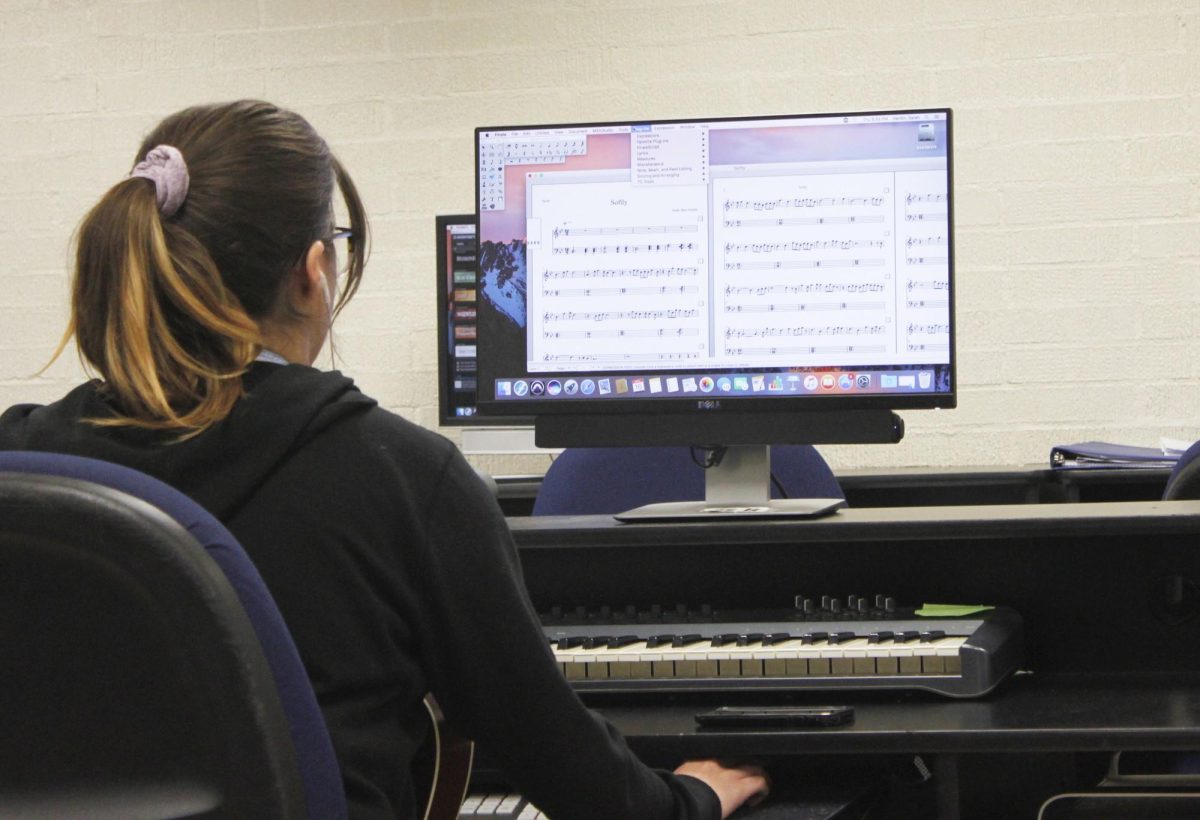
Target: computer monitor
x=735, y=281
x=459, y=339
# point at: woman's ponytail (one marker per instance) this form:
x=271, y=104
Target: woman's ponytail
x=153, y=317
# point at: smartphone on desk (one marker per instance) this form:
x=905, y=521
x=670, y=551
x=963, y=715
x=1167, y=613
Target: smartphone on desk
x=736, y=717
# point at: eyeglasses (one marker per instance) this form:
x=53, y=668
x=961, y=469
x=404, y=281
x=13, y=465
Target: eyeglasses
x=348, y=235
x=344, y=233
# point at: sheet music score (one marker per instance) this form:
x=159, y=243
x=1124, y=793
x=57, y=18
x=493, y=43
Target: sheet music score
x=623, y=265
x=923, y=235
x=811, y=252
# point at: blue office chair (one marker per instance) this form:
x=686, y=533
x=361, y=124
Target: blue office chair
x=609, y=480
x=146, y=669
x=1184, y=481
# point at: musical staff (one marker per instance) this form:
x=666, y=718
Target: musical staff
x=809, y=263
x=803, y=220
x=925, y=241
x=615, y=315
x=599, y=358
x=649, y=290
x=613, y=273
x=825, y=330
x=808, y=287
x=663, y=247
x=633, y=333
x=802, y=351
x=921, y=304
x=927, y=348
x=925, y=260
x=814, y=245
x=803, y=202
x=927, y=211
x=936, y=284
x=807, y=307
x=933, y=329
x=634, y=229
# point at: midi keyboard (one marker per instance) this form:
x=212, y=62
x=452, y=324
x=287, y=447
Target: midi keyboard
x=823, y=643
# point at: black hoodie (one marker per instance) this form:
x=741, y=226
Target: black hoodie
x=396, y=574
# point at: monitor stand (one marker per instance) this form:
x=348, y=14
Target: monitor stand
x=739, y=487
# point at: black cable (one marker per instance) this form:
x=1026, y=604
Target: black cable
x=706, y=456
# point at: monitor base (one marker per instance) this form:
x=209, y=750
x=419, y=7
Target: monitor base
x=711, y=511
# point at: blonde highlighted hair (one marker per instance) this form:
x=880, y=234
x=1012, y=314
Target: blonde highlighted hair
x=168, y=310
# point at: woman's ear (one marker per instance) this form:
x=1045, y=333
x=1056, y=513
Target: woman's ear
x=313, y=270
x=310, y=283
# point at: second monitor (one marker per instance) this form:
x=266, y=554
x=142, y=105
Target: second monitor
x=459, y=338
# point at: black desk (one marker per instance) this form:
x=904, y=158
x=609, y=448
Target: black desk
x=1110, y=594
x=910, y=487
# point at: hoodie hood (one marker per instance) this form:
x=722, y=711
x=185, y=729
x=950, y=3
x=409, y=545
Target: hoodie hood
x=284, y=408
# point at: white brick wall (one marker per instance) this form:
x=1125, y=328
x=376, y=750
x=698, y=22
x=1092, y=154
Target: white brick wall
x=1077, y=165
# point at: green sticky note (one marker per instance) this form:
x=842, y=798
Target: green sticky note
x=951, y=610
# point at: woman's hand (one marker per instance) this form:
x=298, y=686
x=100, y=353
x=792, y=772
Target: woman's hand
x=734, y=785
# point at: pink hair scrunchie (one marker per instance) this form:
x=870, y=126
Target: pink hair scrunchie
x=164, y=166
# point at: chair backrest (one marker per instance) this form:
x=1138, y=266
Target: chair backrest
x=608, y=480
x=1184, y=481
x=146, y=669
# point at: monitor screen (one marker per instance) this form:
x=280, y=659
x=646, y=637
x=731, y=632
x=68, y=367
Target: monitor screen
x=458, y=324
x=770, y=265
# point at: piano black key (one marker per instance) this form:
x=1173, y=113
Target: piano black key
x=623, y=640
x=841, y=637
x=571, y=641
x=776, y=637
x=595, y=642
x=881, y=636
x=659, y=640
x=687, y=640
x=752, y=637
x=932, y=635
x=814, y=637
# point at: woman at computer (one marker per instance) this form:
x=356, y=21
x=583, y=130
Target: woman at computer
x=205, y=285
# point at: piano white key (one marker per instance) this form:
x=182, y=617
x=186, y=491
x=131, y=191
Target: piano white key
x=489, y=804
x=950, y=645
x=509, y=804
x=566, y=655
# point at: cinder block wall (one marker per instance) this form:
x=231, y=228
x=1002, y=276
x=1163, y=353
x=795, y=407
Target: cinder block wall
x=1077, y=166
